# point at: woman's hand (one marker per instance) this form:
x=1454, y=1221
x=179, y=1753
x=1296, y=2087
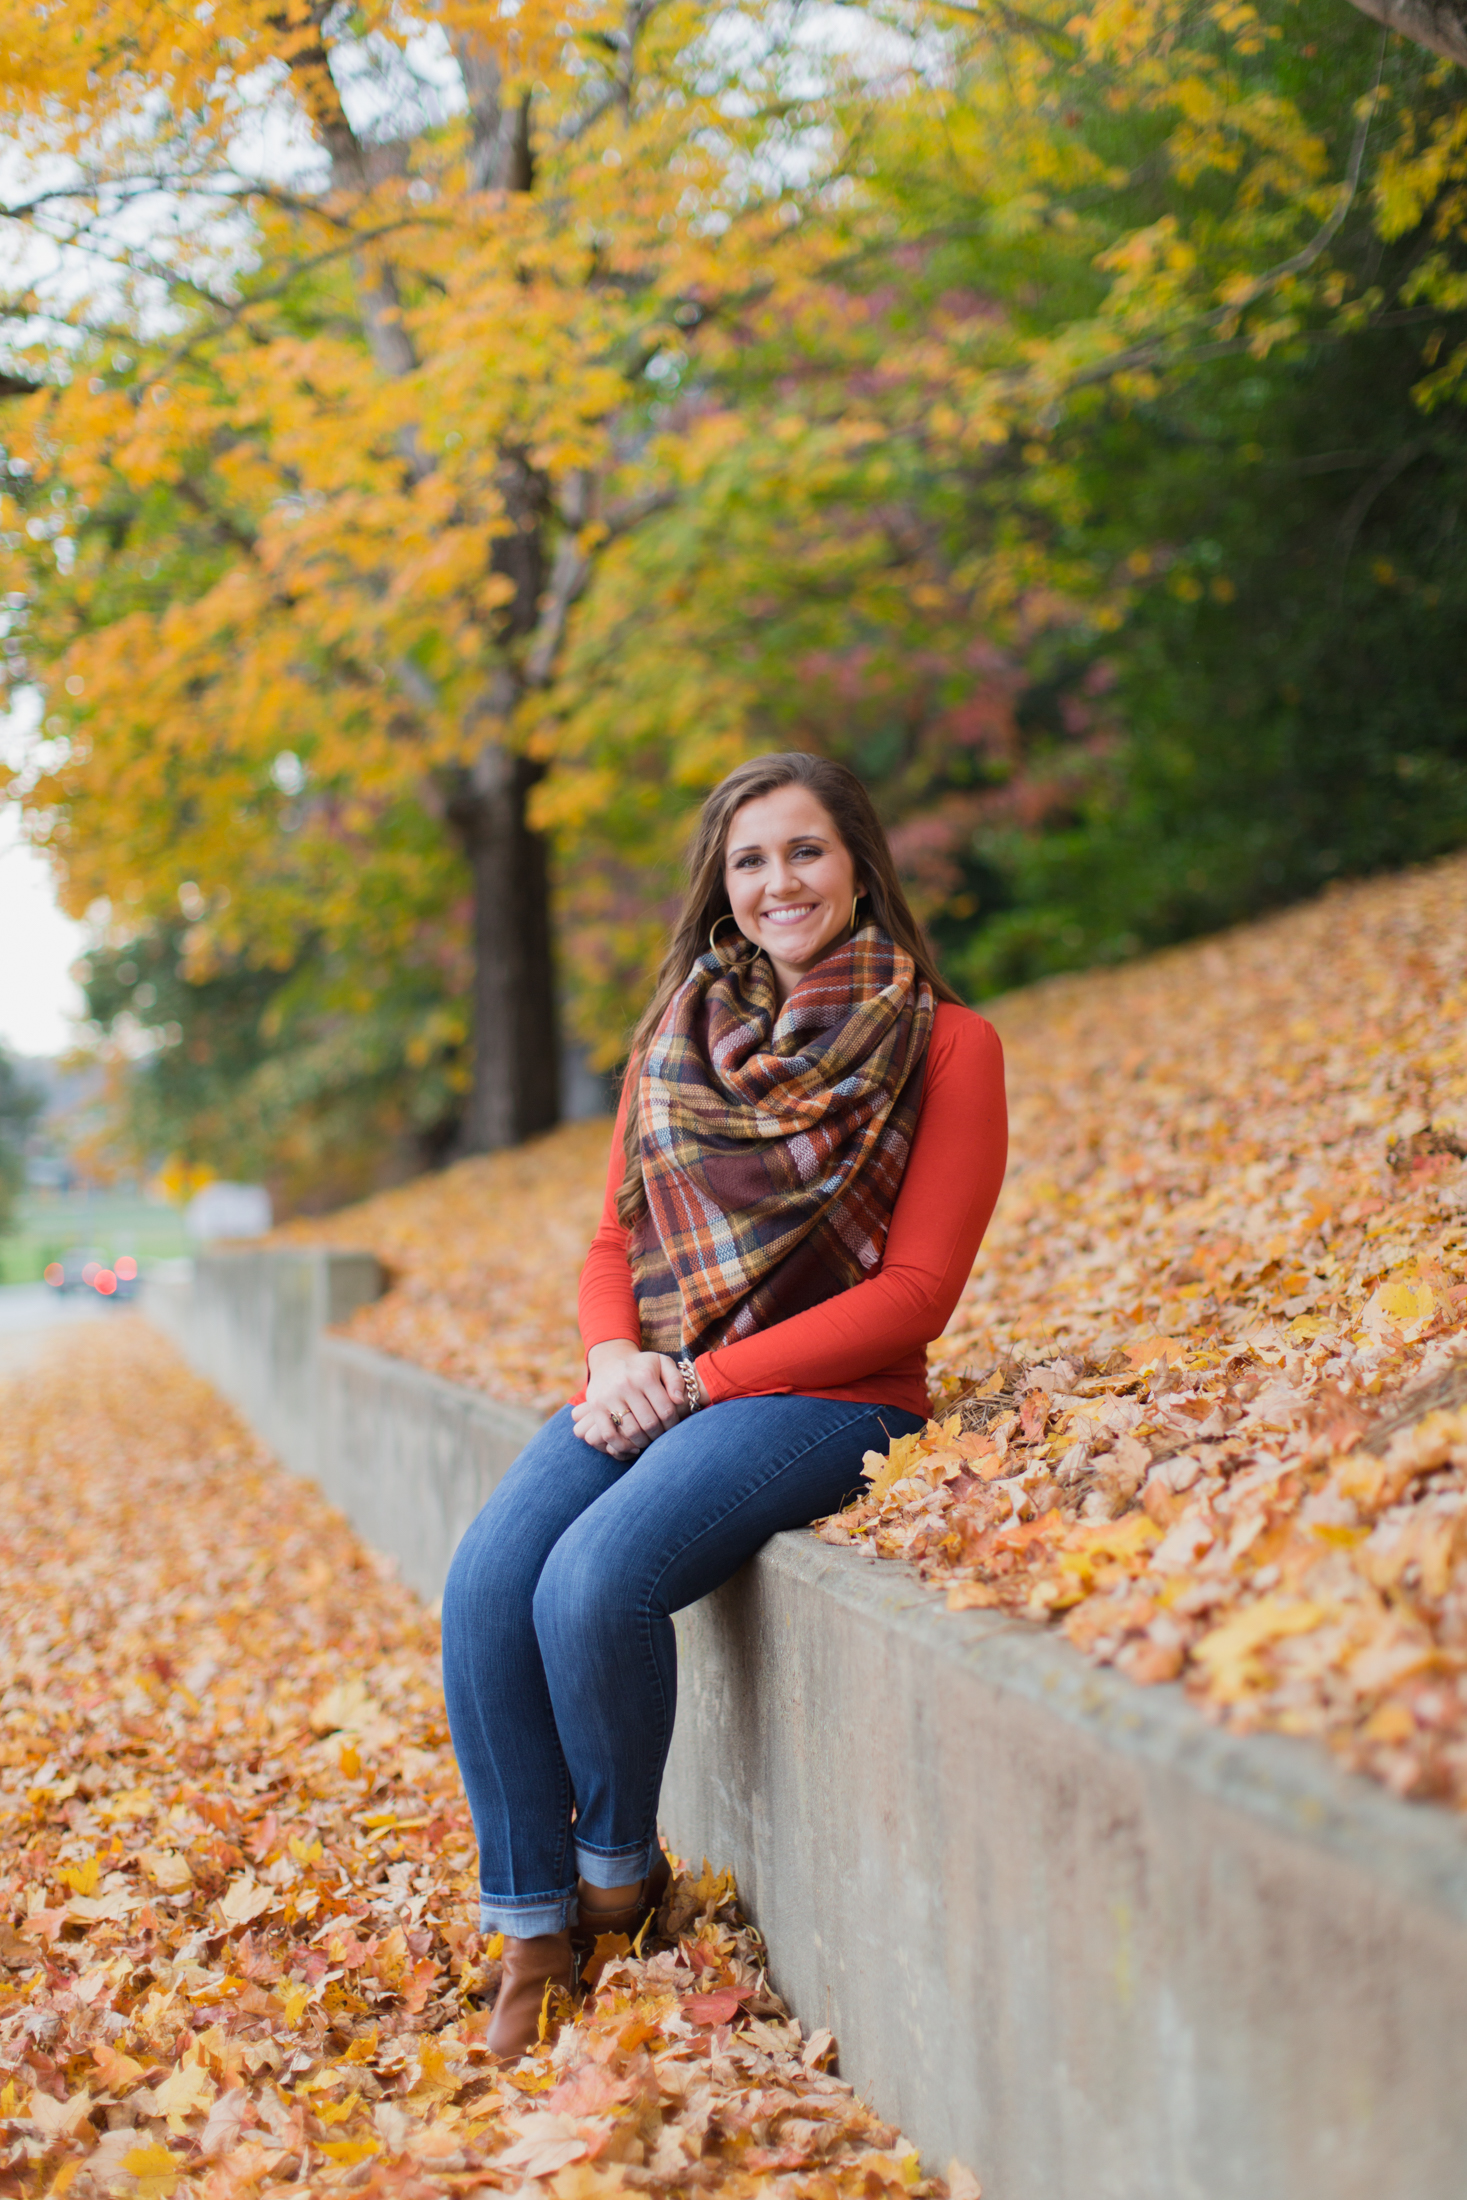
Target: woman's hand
x=643, y=1389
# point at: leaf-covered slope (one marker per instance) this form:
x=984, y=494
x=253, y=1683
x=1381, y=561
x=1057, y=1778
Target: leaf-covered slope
x=1234, y=1233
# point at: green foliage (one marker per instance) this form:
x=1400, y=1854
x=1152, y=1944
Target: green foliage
x=20, y=1104
x=310, y=1078
x=1289, y=678
x=1109, y=519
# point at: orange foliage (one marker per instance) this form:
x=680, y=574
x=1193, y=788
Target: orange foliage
x=237, y=1937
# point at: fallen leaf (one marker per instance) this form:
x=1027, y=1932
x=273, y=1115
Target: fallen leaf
x=244, y=1900
x=720, y=2008
x=226, y=2120
x=167, y=1869
x=59, y=2119
x=156, y=2172
x=185, y=2092
x=118, y=2072
x=316, y=2015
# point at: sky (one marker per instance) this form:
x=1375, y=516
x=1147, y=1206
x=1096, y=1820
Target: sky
x=37, y=945
x=38, y=996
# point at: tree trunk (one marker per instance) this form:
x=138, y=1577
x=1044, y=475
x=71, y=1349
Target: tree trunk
x=516, y=1084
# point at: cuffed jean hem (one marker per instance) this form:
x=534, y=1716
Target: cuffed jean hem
x=527, y=1920
x=616, y=1867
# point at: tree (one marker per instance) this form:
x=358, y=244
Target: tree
x=302, y=1077
x=313, y=478
x=1105, y=517
x=923, y=435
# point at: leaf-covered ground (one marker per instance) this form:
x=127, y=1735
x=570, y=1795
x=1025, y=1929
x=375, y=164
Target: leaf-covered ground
x=1234, y=1234
x=237, y=1941
x=1234, y=1231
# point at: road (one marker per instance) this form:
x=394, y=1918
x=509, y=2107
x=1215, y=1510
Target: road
x=32, y=1313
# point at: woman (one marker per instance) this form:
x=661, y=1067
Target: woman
x=810, y=1143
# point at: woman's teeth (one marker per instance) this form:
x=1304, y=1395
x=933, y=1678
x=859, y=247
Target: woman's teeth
x=789, y=916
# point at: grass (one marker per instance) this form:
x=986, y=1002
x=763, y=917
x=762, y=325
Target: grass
x=106, y=1223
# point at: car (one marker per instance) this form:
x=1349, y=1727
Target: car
x=70, y=1272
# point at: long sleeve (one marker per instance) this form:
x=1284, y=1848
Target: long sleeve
x=868, y=1343
x=606, y=1303
x=948, y=1193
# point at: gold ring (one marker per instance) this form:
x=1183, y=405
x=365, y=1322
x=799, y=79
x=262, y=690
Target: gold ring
x=615, y=1419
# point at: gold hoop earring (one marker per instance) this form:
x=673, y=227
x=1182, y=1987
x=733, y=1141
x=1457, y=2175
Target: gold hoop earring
x=712, y=929
x=855, y=905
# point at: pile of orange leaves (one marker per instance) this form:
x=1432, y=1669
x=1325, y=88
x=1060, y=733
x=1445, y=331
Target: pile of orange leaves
x=237, y=1924
x=1232, y=1237
x=1205, y=1397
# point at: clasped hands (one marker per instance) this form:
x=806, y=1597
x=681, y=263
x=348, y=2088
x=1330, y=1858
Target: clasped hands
x=631, y=1398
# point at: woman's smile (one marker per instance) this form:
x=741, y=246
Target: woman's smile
x=791, y=880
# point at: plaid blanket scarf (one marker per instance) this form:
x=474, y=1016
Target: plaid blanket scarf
x=774, y=1141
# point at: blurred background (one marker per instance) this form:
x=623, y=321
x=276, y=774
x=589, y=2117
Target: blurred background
x=437, y=447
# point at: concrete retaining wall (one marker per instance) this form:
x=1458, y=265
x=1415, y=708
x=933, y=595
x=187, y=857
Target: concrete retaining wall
x=1062, y=1927
x=254, y=1323
x=408, y=1457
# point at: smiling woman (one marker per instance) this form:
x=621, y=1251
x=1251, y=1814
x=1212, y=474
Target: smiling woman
x=811, y=1139
x=791, y=880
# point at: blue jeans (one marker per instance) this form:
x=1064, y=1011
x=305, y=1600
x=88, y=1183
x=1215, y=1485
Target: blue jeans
x=559, y=1656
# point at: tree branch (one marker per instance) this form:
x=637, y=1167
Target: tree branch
x=1439, y=25
x=1356, y=512
x=1148, y=353
x=237, y=312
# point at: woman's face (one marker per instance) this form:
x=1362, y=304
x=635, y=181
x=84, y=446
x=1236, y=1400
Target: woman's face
x=790, y=879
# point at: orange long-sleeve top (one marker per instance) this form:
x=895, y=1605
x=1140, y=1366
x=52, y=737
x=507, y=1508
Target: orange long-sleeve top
x=867, y=1344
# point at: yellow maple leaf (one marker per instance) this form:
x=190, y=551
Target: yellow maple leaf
x=117, y=2071
x=348, y=2151
x=899, y=1462
x=436, y=2078
x=166, y=1868
x=1405, y=1303
x=245, y=1900
x=1156, y=1351
x=155, y=2170
x=339, y=2112
x=349, y=1704
x=81, y=1878
x=1229, y=1653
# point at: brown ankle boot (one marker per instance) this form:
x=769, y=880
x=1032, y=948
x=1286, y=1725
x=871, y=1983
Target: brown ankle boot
x=529, y=1967
x=629, y=1919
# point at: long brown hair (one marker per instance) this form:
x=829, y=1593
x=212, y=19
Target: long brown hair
x=848, y=806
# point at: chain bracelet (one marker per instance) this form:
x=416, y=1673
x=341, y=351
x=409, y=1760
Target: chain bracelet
x=689, y=1375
